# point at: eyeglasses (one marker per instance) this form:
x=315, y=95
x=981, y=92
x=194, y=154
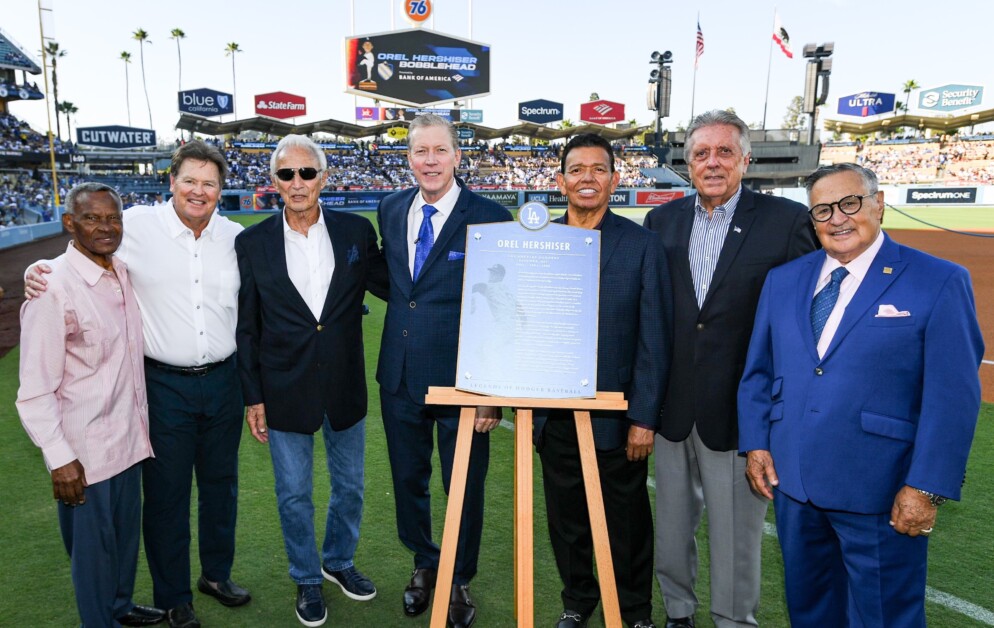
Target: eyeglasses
x=286, y=174
x=848, y=205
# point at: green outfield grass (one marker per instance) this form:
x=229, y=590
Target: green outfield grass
x=36, y=587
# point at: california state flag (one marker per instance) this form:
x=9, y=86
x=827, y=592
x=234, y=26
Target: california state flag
x=781, y=37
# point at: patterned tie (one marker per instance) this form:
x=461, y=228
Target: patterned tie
x=426, y=238
x=824, y=302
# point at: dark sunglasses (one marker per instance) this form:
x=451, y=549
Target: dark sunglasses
x=286, y=174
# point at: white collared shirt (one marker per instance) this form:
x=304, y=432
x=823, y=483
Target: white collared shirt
x=310, y=262
x=187, y=287
x=847, y=289
x=445, y=205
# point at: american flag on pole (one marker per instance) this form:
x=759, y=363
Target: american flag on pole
x=781, y=37
x=700, y=44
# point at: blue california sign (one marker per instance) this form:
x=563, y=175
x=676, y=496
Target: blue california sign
x=206, y=102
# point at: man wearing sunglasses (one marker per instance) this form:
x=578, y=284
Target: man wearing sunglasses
x=304, y=273
x=181, y=260
x=857, y=408
x=423, y=233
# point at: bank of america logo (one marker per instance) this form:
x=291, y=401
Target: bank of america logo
x=457, y=78
x=603, y=109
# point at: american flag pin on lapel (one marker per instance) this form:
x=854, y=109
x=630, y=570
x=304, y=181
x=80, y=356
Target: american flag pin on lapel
x=737, y=229
x=888, y=270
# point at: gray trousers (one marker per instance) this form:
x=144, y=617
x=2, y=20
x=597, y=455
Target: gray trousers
x=690, y=477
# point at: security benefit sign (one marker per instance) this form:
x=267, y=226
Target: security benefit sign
x=206, y=102
x=416, y=67
x=950, y=97
x=115, y=136
x=529, y=309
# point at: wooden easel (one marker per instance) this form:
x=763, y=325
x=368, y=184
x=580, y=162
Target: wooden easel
x=523, y=502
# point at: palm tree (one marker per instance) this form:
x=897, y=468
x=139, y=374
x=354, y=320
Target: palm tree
x=178, y=34
x=126, y=57
x=142, y=37
x=229, y=51
x=53, y=51
x=908, y=86
x=68, y=108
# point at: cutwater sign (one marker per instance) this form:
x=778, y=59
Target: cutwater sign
x=206, y=102
x=540, y=111
x=950, y=97
x=866, y=104
x=115, y=136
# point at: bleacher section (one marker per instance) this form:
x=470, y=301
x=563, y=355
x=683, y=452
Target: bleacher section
x=942, y=160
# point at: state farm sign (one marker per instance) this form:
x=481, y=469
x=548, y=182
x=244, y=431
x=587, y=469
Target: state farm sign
x=602, y=112
x=280, y=105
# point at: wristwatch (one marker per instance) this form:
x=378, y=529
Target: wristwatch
x=935, y=500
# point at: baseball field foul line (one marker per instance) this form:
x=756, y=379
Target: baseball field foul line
x=974, y=612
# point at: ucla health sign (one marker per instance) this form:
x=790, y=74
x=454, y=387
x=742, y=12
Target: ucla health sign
x=866, y=104
x=115, y=136
x=540, y=111
x=206, y=102
x=950, y=97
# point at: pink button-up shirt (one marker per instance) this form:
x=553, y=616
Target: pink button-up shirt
x=82, y=393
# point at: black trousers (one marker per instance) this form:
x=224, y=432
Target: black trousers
x=629, y=522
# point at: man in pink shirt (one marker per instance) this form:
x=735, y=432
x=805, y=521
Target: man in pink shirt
x=82, y=401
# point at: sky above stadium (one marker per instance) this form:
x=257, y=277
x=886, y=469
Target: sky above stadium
x=556, y=50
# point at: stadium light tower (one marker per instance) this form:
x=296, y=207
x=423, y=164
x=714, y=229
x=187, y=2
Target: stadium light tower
x=660, y=88
x=819, y=67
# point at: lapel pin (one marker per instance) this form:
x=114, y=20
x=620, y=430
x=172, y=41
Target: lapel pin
x=888, y=270
x=737, y=229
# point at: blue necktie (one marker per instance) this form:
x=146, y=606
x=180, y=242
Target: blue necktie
x=824, y=302
x=426, y=238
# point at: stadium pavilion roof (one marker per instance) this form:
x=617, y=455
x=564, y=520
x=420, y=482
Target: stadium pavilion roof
x=914, y=120
x=207, y=126
x=15, y=57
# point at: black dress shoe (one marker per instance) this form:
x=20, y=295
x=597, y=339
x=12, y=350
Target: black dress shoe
x=182, y=617
x=680, y=622
x=142, y=616
x=227, y=592
x=572, y=619
x=462, y=613
x=418, y=591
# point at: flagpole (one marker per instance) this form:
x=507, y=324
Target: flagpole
x=697, y=58
x=769, y=65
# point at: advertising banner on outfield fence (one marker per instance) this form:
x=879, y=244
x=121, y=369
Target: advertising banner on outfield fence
x=280, y=105
x=931, y=196
x=602, y=112
x=950, y=97
x=540, y=111
x=866, y=104
x=558, y=199
x=657, y=197
x=206, y=102
x=416, y=67
x=115, y=136
x=507, y=198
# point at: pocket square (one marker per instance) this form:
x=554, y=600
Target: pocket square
x=454, y=255
x=889, y=311
x=353, y=255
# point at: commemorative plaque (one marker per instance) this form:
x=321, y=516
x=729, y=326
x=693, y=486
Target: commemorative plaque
x=529, y=309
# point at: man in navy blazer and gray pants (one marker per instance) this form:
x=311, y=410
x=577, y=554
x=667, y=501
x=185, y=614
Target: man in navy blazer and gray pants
x=423, y=233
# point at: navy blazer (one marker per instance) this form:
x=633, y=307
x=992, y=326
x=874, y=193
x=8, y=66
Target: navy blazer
x=634, y=329
x=303, y=368
x=893, y=402
x=421, y=328
x=710, y=342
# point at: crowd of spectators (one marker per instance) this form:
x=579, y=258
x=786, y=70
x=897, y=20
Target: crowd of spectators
x=17, y=135
x=948, y=160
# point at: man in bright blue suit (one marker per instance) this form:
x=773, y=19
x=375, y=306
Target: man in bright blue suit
x=423, y=234
x=857, y=408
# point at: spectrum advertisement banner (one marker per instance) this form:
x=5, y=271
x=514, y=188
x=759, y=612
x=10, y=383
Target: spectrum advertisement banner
x=866, y=104
x=540, y=111
x=416, y=67
x=602, y=112
x=929, y=196
x=206, y=102
x=950, y=97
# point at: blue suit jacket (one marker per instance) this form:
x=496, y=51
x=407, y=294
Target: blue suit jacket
x=894, y=401
x=421, y=329
x=634, y=329
x=301, y=367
